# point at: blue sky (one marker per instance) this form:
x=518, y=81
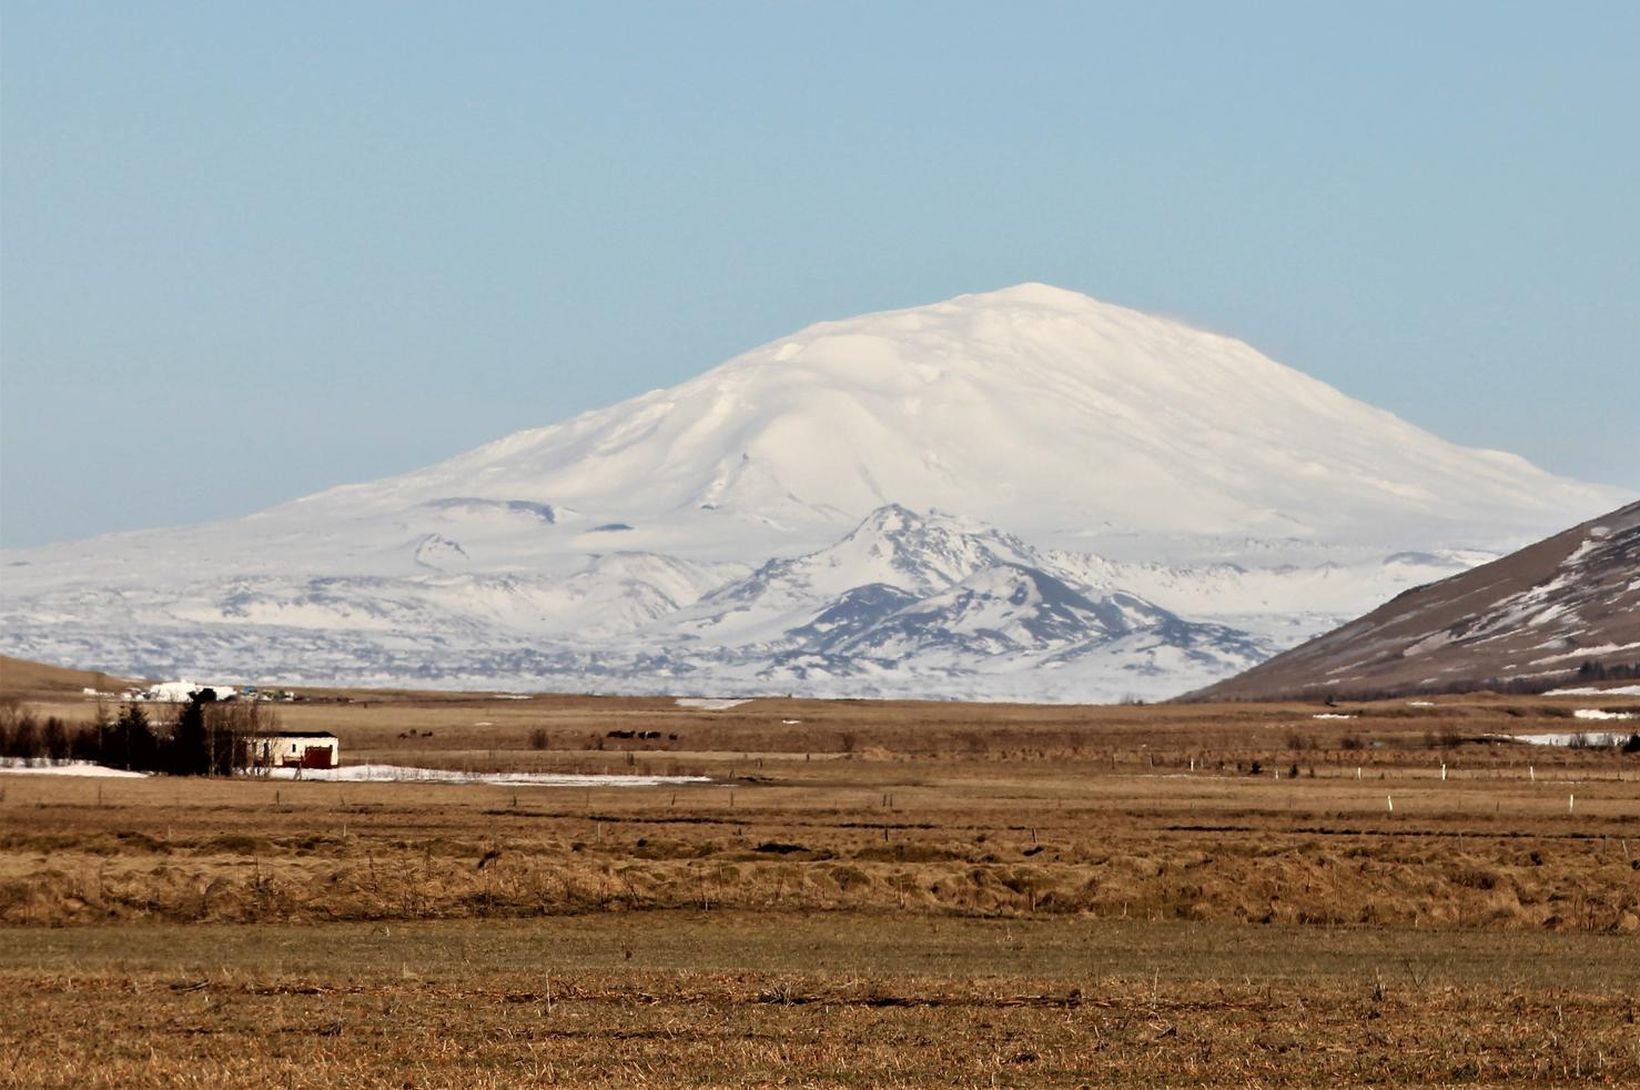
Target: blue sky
x=251, y=251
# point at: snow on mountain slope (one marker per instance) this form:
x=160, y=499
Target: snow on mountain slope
x=995, y=623
x=1285, y=602
x=904, y=605
x=892, y=547
x=1001, y=609
x=1032, y=408
x=902, y=582
x=758, y=525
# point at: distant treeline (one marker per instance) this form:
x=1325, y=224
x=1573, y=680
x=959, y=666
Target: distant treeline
x=1592, y=670
x=204, y=737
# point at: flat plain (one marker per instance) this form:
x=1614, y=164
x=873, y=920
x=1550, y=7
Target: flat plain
x=860, y=894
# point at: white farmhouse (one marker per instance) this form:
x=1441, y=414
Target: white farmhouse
x=293, y=749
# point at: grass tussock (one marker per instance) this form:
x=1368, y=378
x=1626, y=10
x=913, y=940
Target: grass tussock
x=1218, y=850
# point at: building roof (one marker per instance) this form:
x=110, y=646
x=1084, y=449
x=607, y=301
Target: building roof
x=292, y=734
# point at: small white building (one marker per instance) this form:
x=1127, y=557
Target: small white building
x=293, y=749
x=180, y=692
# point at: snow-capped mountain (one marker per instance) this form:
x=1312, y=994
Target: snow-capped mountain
x=1140, y=507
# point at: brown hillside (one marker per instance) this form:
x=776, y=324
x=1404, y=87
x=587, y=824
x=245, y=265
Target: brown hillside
x=23, y=678
x=1527, y=621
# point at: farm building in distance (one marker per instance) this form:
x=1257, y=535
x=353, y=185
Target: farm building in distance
x=293, y=749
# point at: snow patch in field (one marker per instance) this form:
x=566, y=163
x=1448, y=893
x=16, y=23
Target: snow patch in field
x=373, y=773
x=710, y=704
x=1599, y=713
x=1580, y=738
x=66, y=768
x=1331, y=715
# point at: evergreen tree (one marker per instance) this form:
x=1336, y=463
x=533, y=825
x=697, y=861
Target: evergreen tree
x=25, y=738
x=189, y=753
x=54, y=739
x=86, y=743
x=129, y=742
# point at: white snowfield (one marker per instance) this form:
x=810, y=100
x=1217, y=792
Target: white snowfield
x=376, y=773
x=1019, y=495
x=373, y=773
x=24, y=767
x=1592, y=739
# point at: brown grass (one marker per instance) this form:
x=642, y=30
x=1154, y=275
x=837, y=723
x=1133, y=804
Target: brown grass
x=880, y=894
x=721, y=1000
x=37, y=680
x=1485, y=852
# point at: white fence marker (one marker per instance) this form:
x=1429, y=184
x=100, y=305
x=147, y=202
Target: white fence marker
x=1391, y=802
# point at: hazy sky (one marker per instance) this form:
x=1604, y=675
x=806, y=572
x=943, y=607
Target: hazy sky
x=251, y=251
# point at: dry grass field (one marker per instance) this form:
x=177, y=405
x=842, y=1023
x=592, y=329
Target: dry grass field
x=863, y=894
x=710, y=999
